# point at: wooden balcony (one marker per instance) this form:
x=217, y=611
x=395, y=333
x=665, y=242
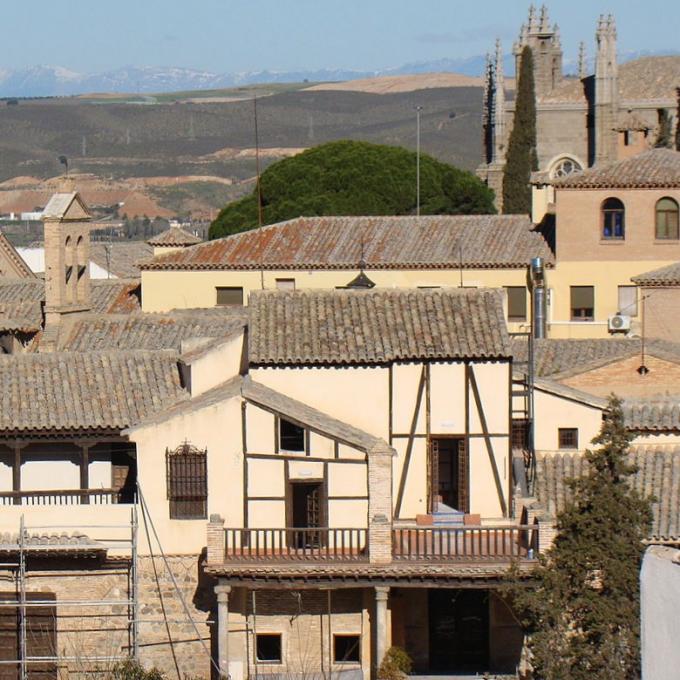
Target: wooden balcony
x=465, y=544
x=68, y=497
x=320, y=545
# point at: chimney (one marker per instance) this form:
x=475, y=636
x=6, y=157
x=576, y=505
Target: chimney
x=67, y=256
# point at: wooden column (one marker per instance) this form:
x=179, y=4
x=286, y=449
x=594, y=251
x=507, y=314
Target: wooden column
x=16, y=472
x=84, y=471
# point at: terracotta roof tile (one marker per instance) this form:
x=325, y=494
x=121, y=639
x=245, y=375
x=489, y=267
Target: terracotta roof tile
x=175, y=236
x=658, y=475
x=85, y=391
x=649, y=169
x=441, y=241
x=149, y=331
x=665, y=276
x=375, y=326
x=661, y=414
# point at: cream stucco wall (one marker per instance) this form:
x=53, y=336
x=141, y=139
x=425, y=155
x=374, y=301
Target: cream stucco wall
x=213, y=367
x=165, y=290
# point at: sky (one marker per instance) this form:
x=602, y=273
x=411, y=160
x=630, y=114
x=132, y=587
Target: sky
x=248, y=35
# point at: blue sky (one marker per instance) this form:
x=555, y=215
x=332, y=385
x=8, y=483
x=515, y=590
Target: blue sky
x=240, y=35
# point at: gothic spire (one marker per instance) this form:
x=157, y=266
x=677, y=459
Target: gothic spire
x=582, y=68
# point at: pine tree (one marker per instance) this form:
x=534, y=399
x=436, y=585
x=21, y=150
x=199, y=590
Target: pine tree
x=582, y=607
x=521, y=158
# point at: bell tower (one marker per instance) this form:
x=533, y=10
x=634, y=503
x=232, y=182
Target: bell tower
x=67, y=256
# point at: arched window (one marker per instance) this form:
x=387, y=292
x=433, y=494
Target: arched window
x=564, y=167
x=613, y=219
x=667, y=222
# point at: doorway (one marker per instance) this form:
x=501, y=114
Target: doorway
x=459, y=631
x=449, y=472
x=306, y=512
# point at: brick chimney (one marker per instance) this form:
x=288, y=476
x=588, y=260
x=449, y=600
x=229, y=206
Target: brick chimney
x=67, y=256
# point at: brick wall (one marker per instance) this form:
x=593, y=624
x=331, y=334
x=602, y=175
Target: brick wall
x=662, y=310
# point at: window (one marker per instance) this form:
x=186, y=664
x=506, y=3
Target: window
x=347, y=648
x=613, y=219
x=187, y=483
x=229, y=296
x=567, y=438
x=582, y=303
x=667, y=223
x=291, y=436
x=268, y=648
x=628, y=300
x=517, y=303
x=565, y=167
x=285, y=284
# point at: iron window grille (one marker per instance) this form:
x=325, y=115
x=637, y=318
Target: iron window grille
x=567, y=438
x=187, y=482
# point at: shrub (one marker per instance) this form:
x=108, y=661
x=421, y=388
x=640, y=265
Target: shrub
x=395, y=665
x=133, y=670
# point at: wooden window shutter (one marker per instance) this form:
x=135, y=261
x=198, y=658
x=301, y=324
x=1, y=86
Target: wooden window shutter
x=433, y=474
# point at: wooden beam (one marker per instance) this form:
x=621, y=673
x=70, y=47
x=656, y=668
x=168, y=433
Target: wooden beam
x=16, y=473
x=84, y=471
x=409, y=447
x=487, y=440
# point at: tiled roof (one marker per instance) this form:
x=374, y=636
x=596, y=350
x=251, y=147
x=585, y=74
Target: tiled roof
x=631, y=121
x=120, y=258
x=660, y=414
x=21, y=305
x=308, y=416
x=21, y=301
x=58, y=205
x=175, y=236
x=53, y=543
x=71, y=391
x=441, y=241
x=149, y=331
x=560, y=358
x=571, y=393
x=640, y=80
x=375, y=326
x=665, y=276
x=21, y=269
x=658, y=475
x=649, y=169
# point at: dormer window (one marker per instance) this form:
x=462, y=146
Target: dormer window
x=613, y=220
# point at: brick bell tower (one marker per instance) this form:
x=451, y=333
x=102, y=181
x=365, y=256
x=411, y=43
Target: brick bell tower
x=67, y=256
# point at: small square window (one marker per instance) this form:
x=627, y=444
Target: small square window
x=347, y=648
x=268, y=648
x=517, y=303
x=291, y=436
x=229, y=296
x=285, y=284
x=567, y=438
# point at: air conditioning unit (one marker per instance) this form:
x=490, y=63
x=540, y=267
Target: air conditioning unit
x=618, y=323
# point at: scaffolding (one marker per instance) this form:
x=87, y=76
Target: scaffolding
x=119, y=542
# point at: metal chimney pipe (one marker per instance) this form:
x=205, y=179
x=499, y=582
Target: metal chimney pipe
x=538, y=297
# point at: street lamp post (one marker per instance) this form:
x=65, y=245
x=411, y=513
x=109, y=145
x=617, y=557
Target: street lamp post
x=418, y=110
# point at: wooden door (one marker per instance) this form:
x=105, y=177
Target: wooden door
x=123, y=476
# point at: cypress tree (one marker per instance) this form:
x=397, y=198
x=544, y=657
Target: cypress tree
x=664, y=137
x=582, y=613
x=521, y=158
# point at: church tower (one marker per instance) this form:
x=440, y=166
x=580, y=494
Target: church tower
x=546, y=47
x=606, y=90
x=67, y=256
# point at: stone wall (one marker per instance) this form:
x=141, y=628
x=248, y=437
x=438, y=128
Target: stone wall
x=102, y=630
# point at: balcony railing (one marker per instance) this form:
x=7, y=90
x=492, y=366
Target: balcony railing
x=295, y=544
x=467, y=543
x=67, y=497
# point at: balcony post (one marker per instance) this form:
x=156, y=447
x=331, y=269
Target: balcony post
x=222, y=591
x=380, y=629
x=16, y=472
x=84, y=472
x=215, y=540
x=380, y=503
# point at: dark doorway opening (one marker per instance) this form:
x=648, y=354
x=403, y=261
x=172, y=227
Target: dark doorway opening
x=306, y=512
x=449, y=472
x=459, y=631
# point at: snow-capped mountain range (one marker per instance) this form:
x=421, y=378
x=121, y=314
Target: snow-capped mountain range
x=48, y=81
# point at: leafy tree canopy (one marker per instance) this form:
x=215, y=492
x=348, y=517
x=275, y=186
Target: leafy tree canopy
x=355, y=178
x=582, y=607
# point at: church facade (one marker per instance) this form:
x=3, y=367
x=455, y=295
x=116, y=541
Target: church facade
x=582, y=120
